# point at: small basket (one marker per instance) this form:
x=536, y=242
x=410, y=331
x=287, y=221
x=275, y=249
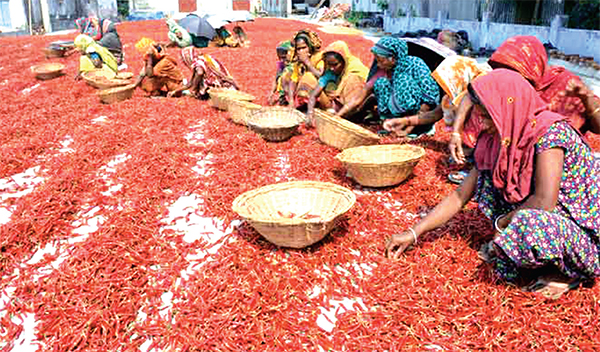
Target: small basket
x=340, y=133
x=218, y=97
x=240, y=109
x=103, y=80
x=48, y=71
x=54, y=52
x=294, y=214
x=275, y=124
x=381, y=165
x=113, y=95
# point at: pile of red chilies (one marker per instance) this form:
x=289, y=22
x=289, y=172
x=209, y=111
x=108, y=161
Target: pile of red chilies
x=107, y=294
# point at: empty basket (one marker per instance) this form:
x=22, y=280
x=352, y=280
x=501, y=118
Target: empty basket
x=218, y=97
x=381, y=165
x=294, y=214
x=47, y=71
x=275, y=123
x=113, y=95
x=239, y=110
x=340, y=133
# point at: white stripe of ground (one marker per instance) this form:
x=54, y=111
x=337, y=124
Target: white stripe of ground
x=186, y=217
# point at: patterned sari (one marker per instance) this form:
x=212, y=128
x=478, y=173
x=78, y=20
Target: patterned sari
x=214, y=74
x=527, y=55
x=566, y=236
x=410, y=85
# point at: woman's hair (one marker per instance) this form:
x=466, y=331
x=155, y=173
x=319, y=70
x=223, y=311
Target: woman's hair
x=337, y=56
x=473, y=95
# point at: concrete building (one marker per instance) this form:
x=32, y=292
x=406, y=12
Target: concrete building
x=52, y=15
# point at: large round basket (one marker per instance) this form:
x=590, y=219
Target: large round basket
x=381, y=165
x=340, y=133
x=275, y=124
x=294, y=214
x=240, y=109
x=47, y=71
x=103, y=79
x=218, y=97
x=113, y=95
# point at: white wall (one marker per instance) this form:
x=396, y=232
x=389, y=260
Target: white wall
x=18, y=19
x=365, y=6
x=491, y=35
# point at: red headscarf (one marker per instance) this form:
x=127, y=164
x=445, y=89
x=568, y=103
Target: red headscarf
x=527, y=55
x=521, y=118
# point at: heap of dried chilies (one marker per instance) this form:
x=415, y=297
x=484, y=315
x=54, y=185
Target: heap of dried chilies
x=108, y=292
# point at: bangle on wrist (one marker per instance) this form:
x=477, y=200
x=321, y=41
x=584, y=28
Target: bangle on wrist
x=414, y=233
x=595, y=111
x=456, y=134
x=496, y=223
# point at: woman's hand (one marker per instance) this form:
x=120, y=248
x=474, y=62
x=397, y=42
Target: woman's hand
x=398, y=243
x=398, y=125
x=310, y=118
x=304, y=57
x=456, y=149
x=576, y=88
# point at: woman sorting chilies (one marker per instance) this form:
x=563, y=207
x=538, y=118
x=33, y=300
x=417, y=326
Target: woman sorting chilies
x=562, y=90
x=538, y=183
x=401, y=84
x=207, y=72
x=104, y=32
x=306, y=68
x=94, y=57
x=277, y=95
x=343, y=79
x=160, y=74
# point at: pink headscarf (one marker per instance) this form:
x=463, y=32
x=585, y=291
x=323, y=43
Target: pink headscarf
x=521, y=117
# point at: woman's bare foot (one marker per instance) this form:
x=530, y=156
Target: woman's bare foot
x=552, y=286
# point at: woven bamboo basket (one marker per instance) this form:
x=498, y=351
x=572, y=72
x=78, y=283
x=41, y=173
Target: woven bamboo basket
x=276, y=123
x=294, y=214
x=240, y=109
x=340, y=133
x=103, y=79
x=47, y=71
x=218, y=97
x=381, y=165
x=116, y=94
x=50, y=53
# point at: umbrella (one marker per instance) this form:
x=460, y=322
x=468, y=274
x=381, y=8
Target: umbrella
x=198, y=26
x=217, y=20
x=432, y=52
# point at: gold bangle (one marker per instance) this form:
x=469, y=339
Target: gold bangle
x=595, y=111
x=456, y=134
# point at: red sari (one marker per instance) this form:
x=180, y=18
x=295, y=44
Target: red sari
x=527, y=55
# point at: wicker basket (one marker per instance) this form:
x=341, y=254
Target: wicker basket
x=294, y=214
x=340, y=133
x=50, y=53
x=381, y=165
x=275, y=124
x=103, y=79
x=48, y=71
x=240, y=109
x=113, y=95
x=218, y=97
